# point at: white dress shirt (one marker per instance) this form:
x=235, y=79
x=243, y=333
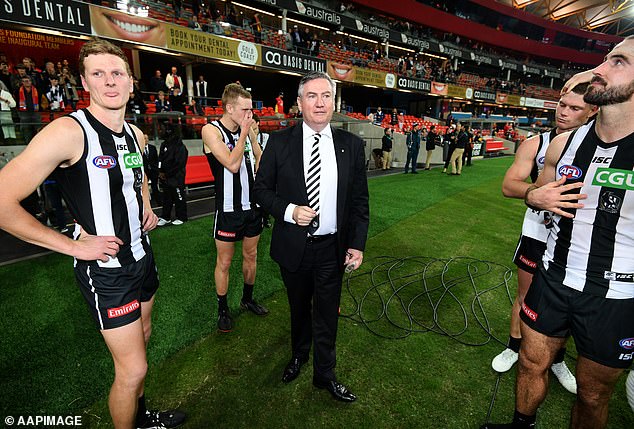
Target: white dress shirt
x=328, y=179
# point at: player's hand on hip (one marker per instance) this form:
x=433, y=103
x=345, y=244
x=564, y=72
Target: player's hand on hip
x=97, y=247
x=302, y=215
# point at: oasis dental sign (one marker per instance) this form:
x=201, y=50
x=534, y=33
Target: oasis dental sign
x=57, y=14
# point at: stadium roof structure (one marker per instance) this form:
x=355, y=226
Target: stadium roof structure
x=606, y=16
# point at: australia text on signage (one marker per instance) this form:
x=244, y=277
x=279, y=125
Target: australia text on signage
x=322, y=15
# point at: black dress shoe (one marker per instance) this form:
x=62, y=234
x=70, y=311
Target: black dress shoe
x=336, y=389
x=254, y=307
x=291, y=372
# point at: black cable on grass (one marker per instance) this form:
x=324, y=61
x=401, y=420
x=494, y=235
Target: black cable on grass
x=405, y=287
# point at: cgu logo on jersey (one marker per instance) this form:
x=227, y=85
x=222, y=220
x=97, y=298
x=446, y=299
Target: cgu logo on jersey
x=541, y=160
x=570, y=171
x=133, y=160
x=104, y=161
x=614, y=178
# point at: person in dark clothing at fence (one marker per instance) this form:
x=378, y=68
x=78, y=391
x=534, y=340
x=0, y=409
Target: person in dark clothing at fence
x=172, y=162
x=151, y=165
x=386, y=149
x=450, y=138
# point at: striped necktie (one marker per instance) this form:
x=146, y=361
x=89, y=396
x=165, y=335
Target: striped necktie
x=313, y=181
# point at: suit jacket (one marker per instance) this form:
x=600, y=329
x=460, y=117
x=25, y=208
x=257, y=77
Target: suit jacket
x=280, y=181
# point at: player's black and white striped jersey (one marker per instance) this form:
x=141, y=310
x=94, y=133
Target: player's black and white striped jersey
x=233, y=190
x=103, y=190
x=534, y=225
x=593, y=252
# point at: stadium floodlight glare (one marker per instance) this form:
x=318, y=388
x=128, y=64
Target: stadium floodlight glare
x=307, y=24
x=253, y=8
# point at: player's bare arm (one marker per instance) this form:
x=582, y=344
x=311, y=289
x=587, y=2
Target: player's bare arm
x=515, y=184
x=149, y=218
x=550, y=194
x=213, y=143
x=257, y=150
x=60, y=143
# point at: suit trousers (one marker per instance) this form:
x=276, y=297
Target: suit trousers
x=314, y=293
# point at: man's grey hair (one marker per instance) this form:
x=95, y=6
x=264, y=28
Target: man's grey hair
x=312, y=76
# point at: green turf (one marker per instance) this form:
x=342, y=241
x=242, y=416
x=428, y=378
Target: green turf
x=53, y=360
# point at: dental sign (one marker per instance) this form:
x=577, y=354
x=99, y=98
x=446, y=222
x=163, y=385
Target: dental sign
x=290, y=61
x=414, y=84
x=55, y=14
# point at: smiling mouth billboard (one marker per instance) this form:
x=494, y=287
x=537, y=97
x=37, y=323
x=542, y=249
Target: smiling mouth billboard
x=360, y=75
x=114, y=24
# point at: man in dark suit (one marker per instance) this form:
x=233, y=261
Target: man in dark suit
x=312, y=179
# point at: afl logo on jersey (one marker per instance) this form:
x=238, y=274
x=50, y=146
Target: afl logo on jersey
x=104, y=161
x=570, y=171
x=627, y=343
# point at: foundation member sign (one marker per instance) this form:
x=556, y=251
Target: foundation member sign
x=57, y=14
x=284, y=60
x=208, y=45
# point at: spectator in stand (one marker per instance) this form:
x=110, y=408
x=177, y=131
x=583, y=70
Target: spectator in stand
x=433, y=140
x=32, y=71
x=69, y=83
x=55, y=95
x=136, y=106
x=394, y=119
x=157, y=83
x=378, y=116
x=279, y=103
x=178, y=101
x=297, y=39
x=7, y=102
x=193, y=23
x=172, y=163
x=162, y=104
x=200, y=90
x=307, y=38
x=178, y=6
x=386, y=148
x=16, y=79
x=288, y=39
x=28, y=100
x=5, y=75
x=294, y=111
x=195, y=108
x=315, y=45
x=45, y=77
x=173, y=81
x=401, y=121
x=256, y=27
